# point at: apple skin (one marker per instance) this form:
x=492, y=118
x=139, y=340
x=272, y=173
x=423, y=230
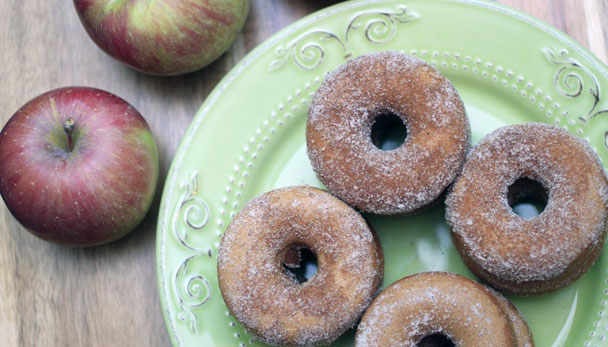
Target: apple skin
x=163, y=37
x=92, y=195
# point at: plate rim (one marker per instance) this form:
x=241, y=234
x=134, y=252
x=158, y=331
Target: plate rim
x=262, y=48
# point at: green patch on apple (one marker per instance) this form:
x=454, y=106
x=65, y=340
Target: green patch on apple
x=163, y=37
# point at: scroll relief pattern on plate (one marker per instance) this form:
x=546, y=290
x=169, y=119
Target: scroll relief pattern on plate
x=308, y=51
x=576, y=81
x=191, y=288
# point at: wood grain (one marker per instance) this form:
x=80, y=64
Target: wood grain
x=107, y=295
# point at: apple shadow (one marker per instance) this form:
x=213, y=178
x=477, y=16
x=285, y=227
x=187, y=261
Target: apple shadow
x=258, y=28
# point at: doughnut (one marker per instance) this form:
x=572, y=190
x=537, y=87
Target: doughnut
x=269, y=301
x=544, y=253
x=339, y=134
x=428, y=305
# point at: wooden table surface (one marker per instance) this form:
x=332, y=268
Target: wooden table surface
x=107, y=295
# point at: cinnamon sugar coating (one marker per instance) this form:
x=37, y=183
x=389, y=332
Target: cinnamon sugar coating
x=338, y=133
x=545, y=253
x=430, y=303
x=273, y=305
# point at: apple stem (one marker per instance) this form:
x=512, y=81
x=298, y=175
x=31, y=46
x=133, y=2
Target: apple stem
x=68, y=126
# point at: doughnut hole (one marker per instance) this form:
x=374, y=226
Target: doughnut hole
x=388, y=131
x=299, y=263
x=527, y=197
x=436, y=340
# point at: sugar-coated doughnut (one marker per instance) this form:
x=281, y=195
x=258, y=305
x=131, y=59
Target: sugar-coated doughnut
x=435, y=303
x=271, y=303
x=545, y=253
x=339, y=126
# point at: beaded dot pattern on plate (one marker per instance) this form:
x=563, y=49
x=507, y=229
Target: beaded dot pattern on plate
x=295, y=104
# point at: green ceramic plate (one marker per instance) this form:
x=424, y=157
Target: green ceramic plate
x=248, y=138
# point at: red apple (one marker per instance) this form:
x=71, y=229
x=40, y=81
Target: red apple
x=78, y=166
x=163, y=37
